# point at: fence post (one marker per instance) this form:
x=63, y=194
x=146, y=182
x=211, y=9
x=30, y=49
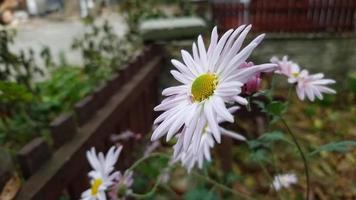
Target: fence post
x=33, y=155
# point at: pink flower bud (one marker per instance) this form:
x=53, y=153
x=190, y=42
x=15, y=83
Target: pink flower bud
x=254, y=83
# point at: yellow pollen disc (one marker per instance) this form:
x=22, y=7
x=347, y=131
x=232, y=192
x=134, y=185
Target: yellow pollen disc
x=295, y=74
x=203, y=87
x=95, y=186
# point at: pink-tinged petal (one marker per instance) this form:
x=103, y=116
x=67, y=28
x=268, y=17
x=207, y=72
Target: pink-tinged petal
x=193, y=66
x=170, y=103
x=183, y=69
x=179, y=77
x=194, y=108
x=217, y=51
x=232, y=134
x=220, y=109
x=323, y=82
x=177, y=124
x=188, y=134
x=213, y=124
x=233, y=109
x=232, y=40
x=244, y=74
x=241, y=100
x=202, y=52
x=300, y=93
x=326, y=90
x=162, y=129
x=196, y=56
x=237, y=60
x=234, y=49
x=309, y=93
x=317, y=93
x=213, y=41
x=181, y=89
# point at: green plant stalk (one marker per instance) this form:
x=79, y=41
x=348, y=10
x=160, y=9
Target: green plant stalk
x=154, y=188
x=306, y=168
x=139, y=161
x=221, y=186
x=149, y=193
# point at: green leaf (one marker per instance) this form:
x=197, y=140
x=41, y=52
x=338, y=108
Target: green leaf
x=259, y=156
x=277, y=108
x=268, y=139
x=272, y=137
x=341, y=147
x=200, y=193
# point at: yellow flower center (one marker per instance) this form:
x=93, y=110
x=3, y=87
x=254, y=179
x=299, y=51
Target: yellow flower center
x=295, y=74
x=95, y=186
x=203, y=87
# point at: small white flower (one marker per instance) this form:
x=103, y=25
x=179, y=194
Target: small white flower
x=284, y=181
x=311, y=86
x=102, y=175
x=210, y=79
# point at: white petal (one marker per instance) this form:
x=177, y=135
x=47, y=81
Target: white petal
x=179, y=77
x=183, y=69
x=212, y=121
x=213, y=41
x=217, y=51
x=232, y=134
x=181, y=89
x=220, y=109
x=202, y=52
x=241, y=100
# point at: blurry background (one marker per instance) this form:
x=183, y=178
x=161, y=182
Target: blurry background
x=81, y=73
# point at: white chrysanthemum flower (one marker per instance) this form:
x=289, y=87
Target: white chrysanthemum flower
x=311, y=86
x=284, y=181
x=122, y=186
x=210, y=79
x=102, y=175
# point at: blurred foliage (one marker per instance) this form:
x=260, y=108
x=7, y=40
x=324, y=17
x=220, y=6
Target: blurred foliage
x=19, y=68
x=27, y=106
x=103, y=51
x=137, y=10
x=198, y=193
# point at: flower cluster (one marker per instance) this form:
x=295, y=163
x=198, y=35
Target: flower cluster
x=103, y=176
x=211, y=80
x=308, y=85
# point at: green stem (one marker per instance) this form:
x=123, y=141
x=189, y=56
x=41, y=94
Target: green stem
x=139, y=161
x=302, y=155
x=221, y=186
x=147, y=194
x=154, y=188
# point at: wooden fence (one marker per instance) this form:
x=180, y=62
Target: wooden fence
x=124, y=102
x=288, y=15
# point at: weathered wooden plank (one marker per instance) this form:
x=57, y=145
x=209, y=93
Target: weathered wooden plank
x=70, y=159
x=84, y=109
x=32, y=156
x=62, y=129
